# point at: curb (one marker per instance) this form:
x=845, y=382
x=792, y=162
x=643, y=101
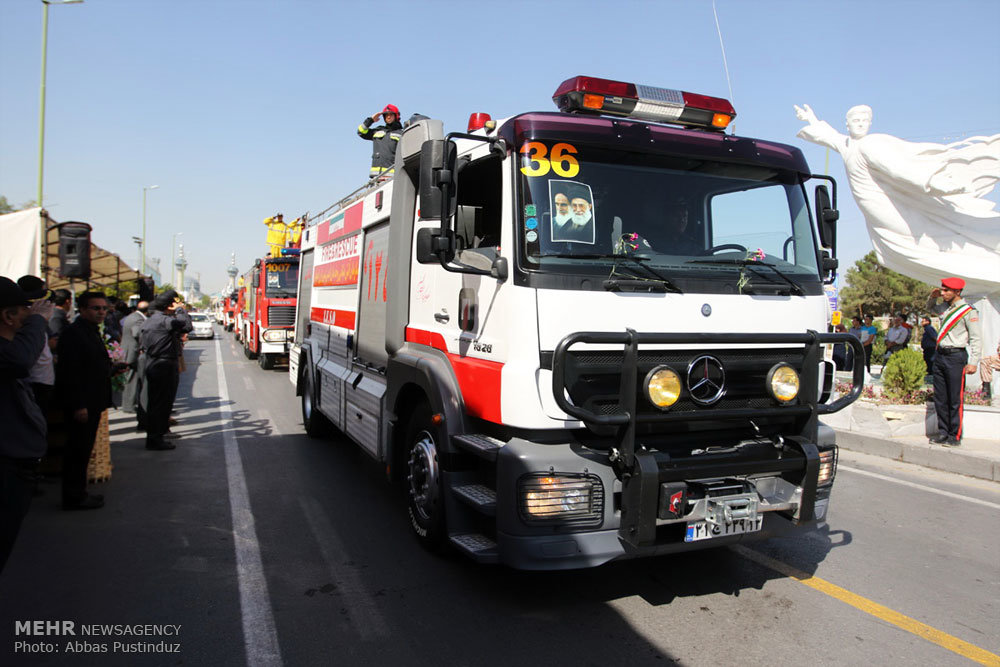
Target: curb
x=957, y=461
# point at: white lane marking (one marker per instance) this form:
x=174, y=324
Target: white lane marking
x=260, y=636
x=248, y=382
x=948, y=494
x=362, y=611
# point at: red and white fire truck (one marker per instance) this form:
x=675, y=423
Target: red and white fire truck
x=583, y=335
x=227, y=307
x=269, y=311
x=240, y=314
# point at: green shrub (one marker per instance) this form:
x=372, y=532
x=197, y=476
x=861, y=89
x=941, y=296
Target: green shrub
x=878, y=347
x=903, y=373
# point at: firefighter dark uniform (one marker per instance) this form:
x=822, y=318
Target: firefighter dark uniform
x=959, y=344
x=160, y=340
x=384, y=140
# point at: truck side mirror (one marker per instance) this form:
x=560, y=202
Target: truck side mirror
x=437, y=168
x=499, y=269
x=255, y=281
x=430, y=241
x=828, y=267
x=826, y=219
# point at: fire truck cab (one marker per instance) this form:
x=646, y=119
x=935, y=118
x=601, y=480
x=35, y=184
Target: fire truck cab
x=584, y=335
x=270, y=308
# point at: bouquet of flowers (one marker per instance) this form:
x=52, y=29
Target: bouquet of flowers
x=119, y=369
x=752, y=256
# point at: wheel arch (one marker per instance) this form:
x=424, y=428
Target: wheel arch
x=419, y=373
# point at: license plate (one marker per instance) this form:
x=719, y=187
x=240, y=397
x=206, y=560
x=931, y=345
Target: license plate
x=703, y=530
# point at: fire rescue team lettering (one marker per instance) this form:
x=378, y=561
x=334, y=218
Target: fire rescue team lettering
x=538, y=159
x=338, y=262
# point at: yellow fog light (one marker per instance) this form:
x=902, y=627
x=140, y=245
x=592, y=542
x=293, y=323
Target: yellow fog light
x=783, y=382
x=663, y=387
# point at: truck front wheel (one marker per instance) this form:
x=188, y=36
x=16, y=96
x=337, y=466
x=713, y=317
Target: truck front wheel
x=424, y=489
x=266, y=361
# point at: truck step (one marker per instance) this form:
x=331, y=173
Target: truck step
x=483, y=446
x=478, y=496
x=478, y=546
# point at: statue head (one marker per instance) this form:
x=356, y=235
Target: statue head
x=859, y=120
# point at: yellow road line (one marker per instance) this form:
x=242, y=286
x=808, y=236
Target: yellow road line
x=943, y=639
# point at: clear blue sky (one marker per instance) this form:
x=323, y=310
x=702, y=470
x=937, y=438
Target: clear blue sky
x=238, y=110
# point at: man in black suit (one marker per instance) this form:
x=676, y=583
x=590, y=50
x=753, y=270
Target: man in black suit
x=83, y=387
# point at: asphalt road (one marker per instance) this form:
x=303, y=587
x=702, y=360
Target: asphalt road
x=266, y=547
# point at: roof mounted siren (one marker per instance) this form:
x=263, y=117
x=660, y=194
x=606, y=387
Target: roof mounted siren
x=590, y=95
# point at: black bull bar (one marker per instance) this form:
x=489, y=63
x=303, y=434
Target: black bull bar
x=641, y=472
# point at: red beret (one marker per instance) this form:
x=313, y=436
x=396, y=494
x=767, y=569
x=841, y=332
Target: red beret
x=953, y=283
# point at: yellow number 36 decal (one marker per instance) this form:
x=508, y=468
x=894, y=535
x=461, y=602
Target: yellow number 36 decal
x=538, y=159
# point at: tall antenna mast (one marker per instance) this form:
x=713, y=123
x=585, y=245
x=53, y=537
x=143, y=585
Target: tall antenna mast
x=725, y=64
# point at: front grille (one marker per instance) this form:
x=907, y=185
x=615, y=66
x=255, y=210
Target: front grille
x=281, y=316
x=593, y=379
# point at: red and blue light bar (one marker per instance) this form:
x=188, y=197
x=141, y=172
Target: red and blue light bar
x=587, y=94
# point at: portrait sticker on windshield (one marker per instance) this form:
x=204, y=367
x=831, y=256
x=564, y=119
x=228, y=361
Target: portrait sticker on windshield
x=572, y=212
x=537, y=159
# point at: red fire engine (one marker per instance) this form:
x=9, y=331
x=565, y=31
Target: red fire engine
x=269, y=310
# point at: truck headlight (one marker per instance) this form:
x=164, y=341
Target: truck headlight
x=783, y=383
x=827, y=466
x=560, y=497
x=663, y=387
x=274, y=335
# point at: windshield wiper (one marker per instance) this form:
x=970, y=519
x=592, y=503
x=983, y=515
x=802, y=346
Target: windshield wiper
x=750, y=264
x=636, y=283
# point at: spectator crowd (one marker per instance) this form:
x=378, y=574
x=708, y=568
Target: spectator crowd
x=58, y=374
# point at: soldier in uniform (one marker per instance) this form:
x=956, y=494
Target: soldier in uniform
x=959, y=343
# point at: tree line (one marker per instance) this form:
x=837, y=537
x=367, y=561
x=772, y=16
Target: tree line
x=872, y=289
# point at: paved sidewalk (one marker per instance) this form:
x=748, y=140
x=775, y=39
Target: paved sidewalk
x=975, y=458
x=900, y=432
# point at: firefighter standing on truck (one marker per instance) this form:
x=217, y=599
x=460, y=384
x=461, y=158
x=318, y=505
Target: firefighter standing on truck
x=959, y=343
x=384, y=139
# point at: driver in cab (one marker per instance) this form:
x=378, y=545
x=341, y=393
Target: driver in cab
x=663, y=227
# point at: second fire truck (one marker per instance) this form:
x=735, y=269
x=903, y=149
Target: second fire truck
x=269, y=308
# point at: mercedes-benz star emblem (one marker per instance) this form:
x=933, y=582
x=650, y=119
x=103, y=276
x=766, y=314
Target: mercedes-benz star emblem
x=706, y=380
x=706, y=309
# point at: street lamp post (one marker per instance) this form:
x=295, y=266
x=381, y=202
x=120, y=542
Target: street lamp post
x=41, y=105
x=173, y=248
x=148, y=187
x=138, y=243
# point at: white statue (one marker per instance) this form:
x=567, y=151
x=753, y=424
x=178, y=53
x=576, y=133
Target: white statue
x=924, y=203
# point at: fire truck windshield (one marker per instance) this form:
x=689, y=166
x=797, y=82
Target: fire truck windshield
x=695, y=220
x=281, y=279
